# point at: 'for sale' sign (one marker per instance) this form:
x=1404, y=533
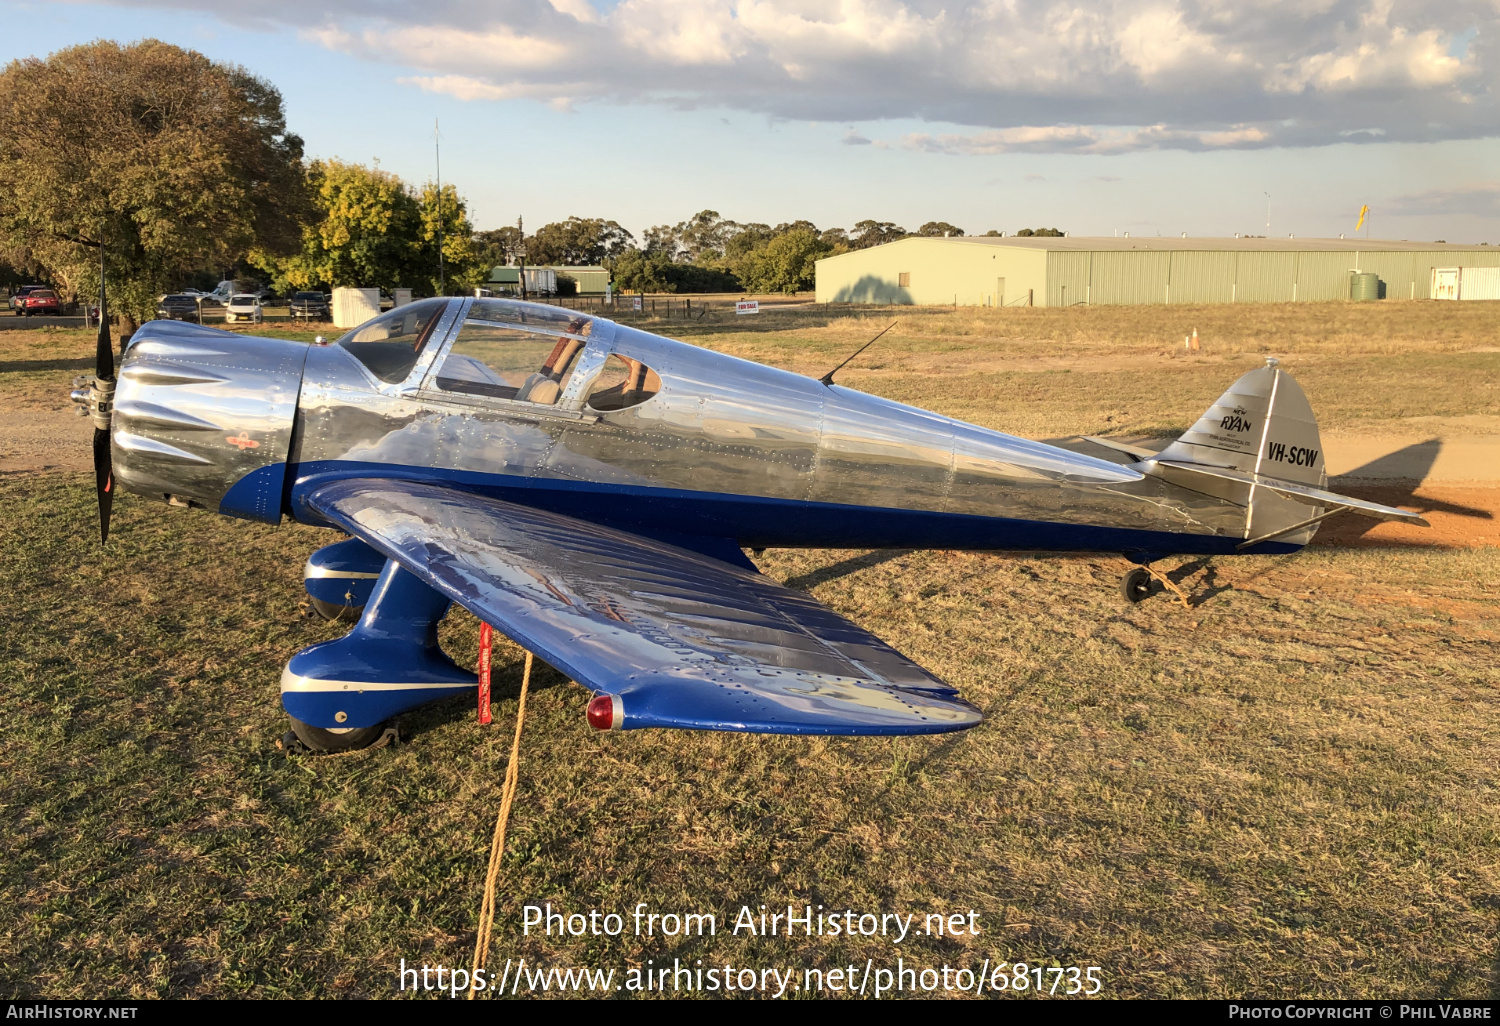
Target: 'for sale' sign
x=747, y=306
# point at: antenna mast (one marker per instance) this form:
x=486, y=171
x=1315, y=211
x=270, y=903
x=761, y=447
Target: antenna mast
x=437, y=151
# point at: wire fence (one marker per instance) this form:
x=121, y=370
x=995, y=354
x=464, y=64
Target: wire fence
x=675, y=307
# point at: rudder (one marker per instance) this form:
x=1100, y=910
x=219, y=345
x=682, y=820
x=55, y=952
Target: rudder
x=1263, y=425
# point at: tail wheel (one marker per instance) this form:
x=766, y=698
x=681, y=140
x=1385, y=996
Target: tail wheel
x=1136, y=585
x=318, y=739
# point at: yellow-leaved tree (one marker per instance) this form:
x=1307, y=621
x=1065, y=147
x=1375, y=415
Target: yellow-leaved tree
x=372, y=230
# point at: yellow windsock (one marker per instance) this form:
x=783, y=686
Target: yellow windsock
x=1362, y=212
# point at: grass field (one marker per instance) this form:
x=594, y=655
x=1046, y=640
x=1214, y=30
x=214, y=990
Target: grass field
x=1287, y=790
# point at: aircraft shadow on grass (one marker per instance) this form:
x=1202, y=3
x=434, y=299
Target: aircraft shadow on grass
x=1398, y=477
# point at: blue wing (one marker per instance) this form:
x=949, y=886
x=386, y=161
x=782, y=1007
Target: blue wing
x=682, y=639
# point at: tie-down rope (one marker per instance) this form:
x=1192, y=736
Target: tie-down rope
x=497, y=843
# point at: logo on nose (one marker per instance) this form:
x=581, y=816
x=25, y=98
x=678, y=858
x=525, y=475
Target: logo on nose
x=243, y=441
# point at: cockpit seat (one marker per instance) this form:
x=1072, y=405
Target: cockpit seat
x=539, y=388
x=545, y=392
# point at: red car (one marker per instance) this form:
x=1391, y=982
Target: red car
x=42, y=301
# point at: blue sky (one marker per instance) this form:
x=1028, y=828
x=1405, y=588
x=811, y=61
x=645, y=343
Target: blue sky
x=650, y=110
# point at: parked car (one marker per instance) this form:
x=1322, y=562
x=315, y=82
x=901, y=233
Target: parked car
x=41, y=301
x=310, y=305
x=244, y=307
x=180, y=307
x=226, y=290
x=21, y=293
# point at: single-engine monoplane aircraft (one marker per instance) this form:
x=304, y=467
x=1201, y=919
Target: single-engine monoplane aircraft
x=588, y=489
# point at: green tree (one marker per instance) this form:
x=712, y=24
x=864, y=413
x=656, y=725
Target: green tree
x=497, y=247
x=168, y=160
x=1026, y=233
x=366, y=232
x=372, y=230
x=875, y=233
x=940, y=230
x=662, y=239
x=787, y=263
x=741, y=251
x=578, y=240
x=704, y=235
x=462, y=269
x=642, y=271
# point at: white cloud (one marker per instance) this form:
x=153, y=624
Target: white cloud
x=1086, y=139
x=460, y=86
x=1027, y=75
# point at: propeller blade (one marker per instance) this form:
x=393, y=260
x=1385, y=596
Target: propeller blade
x=104, y=350
x=104, y=387
x=104, y=481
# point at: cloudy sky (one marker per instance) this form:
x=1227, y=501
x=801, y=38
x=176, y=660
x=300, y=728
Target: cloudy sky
x=1147, y=116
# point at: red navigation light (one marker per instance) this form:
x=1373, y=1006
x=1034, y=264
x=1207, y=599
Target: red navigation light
x=602, y=712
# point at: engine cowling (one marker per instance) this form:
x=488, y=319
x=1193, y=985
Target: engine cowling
x=204, y=417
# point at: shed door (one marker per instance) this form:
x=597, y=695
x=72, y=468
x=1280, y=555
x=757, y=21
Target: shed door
x=999, y=291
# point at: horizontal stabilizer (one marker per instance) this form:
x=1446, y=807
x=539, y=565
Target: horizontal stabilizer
x=1133, y=451
x=1295, y=490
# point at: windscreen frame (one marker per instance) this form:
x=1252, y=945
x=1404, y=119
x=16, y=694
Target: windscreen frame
x=438, y=338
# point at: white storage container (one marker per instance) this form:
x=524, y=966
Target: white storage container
x=400, y=297
x=352, y=307
x=541, y=280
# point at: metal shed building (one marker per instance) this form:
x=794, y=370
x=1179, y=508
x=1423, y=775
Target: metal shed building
x=986, y=271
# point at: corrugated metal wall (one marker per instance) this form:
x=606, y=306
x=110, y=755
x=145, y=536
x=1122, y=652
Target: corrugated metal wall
x=1068, y=278
x=1323, y=276
x=1203, y=277
x=1113, y=277
x=943, y=272
x=1399, y=273
x=1265, y=277
x=1130, y=278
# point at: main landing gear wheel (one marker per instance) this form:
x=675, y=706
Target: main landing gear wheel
x=317, y=739
x=1136, y=585
x=336, y=613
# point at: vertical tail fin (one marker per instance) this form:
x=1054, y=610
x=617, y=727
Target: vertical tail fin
x=1258, y=447
x=1261, y=425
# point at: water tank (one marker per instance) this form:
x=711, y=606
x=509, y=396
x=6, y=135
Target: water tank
x=1364, y=286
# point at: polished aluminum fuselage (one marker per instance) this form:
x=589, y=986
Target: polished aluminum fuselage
x=726, y=450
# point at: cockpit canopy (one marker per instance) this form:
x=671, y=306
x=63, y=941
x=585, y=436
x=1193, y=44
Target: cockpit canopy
x=521, y=352
x=390, y=344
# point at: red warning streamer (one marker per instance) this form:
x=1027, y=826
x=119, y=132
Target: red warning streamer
x=484, y=672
